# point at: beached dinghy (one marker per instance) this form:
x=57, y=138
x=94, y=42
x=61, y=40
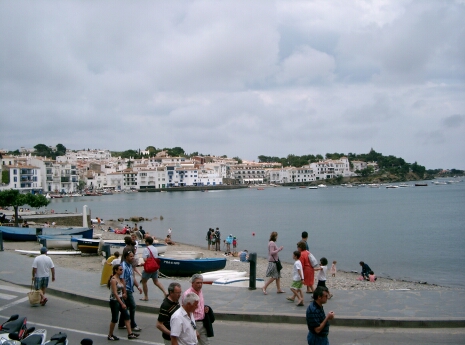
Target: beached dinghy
x=238, y=282
x=187, y=267
x=210, y=277
x=57, y=241
x=30, y=234
x=91, y=246
x=183, y=254
x=49, y=252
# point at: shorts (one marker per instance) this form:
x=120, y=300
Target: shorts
x=147, y=276
x=297, y=284
x=40, y=283
x=321, y=283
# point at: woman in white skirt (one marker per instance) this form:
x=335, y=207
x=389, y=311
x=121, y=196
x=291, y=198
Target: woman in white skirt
x=272, y=270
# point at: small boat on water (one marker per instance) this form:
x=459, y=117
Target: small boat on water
x=30, y=234
x=187, y=267
x=421, y=184
x=313, y=187
x=322, y=186
x=57, y=241
x=392, y=186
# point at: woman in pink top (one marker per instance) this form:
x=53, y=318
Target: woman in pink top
x=272, y=270
x=309, y=272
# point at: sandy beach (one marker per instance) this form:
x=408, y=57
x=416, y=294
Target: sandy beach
x=342, y=281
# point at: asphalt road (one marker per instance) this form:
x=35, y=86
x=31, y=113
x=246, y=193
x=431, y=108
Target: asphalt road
x=81, y=320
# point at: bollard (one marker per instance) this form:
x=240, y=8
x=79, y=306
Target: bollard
x=1, y=241
x=106, y=250
x=253, y=271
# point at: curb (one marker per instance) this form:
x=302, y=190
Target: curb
x=346, y=321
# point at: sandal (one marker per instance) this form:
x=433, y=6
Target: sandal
x=290, y=299
x=42, y=303
x=301, y=304
x=112, y=337
x=133, y=336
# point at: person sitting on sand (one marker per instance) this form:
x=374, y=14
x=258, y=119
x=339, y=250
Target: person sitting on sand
x=168, y=240
x=244, y=256
x=372, y=277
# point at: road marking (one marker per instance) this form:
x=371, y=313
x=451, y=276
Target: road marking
x=24, y=299
x=92, y=334
x=13, y=289
x=6, y=296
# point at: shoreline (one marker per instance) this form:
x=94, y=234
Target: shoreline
x=342, y=281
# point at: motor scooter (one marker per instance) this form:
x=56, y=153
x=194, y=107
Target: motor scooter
x=17, y=325
x=37, y=337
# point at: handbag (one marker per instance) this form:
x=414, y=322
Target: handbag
x=152, y=264
x=34, y=296
x=313, y=260
x=279, y=266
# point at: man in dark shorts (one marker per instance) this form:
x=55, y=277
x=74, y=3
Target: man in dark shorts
x=169, y=305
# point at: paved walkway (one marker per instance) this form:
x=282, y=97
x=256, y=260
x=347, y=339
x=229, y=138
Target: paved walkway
x=352, y=308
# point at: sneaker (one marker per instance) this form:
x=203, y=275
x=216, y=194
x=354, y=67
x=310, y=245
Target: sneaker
x=122, y=327
x=112, y=337
x=136, y=329
x=133, y=336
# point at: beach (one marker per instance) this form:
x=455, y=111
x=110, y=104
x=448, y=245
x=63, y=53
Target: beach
x=342, y=281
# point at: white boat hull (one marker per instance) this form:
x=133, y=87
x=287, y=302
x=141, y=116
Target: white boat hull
x=238, y=282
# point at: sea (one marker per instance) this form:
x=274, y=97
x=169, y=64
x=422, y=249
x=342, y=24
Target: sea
x=411, y=233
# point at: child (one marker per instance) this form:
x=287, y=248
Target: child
x=234, y=244
x=322, y=274
x=333, y=269
x=297, y=280
x=372, y=277
x=116, y=260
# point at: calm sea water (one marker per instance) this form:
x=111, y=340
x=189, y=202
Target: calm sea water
x=415, y=233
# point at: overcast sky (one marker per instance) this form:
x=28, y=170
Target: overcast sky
x=237, y=78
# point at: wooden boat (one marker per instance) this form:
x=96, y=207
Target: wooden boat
x=118, y=245
x=57, y=241
x=421, y=184
x=30, y=234
x=186, y=268
x=210, y=277
x=238, y=282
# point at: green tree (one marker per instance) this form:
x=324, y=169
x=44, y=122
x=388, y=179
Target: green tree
x=12, y=197
x=239, y=161
x=61, y=150
x=81, y=185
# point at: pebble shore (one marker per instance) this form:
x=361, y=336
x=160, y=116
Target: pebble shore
x=342, y=281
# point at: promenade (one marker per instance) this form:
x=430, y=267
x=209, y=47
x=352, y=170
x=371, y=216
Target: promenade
x=358, y=308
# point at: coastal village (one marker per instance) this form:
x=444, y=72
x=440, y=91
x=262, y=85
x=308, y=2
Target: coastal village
x=98, y=170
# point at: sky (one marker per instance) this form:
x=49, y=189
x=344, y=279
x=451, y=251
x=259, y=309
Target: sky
x=237, y=78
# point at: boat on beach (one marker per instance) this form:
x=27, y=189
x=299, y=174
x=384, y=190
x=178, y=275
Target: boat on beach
x=210, y=277
x=238, y=282
x=93, y=246
x=187, y=267
x=12, y=233
x=57, y=241
x=183, y=254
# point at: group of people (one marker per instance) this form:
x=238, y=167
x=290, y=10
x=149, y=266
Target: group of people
x=213, y=239
x=304, y=269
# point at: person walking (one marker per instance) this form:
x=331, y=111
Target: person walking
x=217, y=239
x=117, y=293
x=168, y=307
x=309, y=271
x=128, y=276
x=41, y=268
x=201, y=309
x=272, y=271
x=150, y=250
x=184, y=329
x=317, y=321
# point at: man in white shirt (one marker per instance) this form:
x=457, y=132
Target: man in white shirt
x=41, y=268
x=182, y=323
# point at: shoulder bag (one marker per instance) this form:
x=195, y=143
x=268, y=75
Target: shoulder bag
x=152, y=264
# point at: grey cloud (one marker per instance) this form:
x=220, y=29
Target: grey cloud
x=453, y=121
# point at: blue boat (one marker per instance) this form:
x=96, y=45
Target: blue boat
x=187, y=267
x=30, y=234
